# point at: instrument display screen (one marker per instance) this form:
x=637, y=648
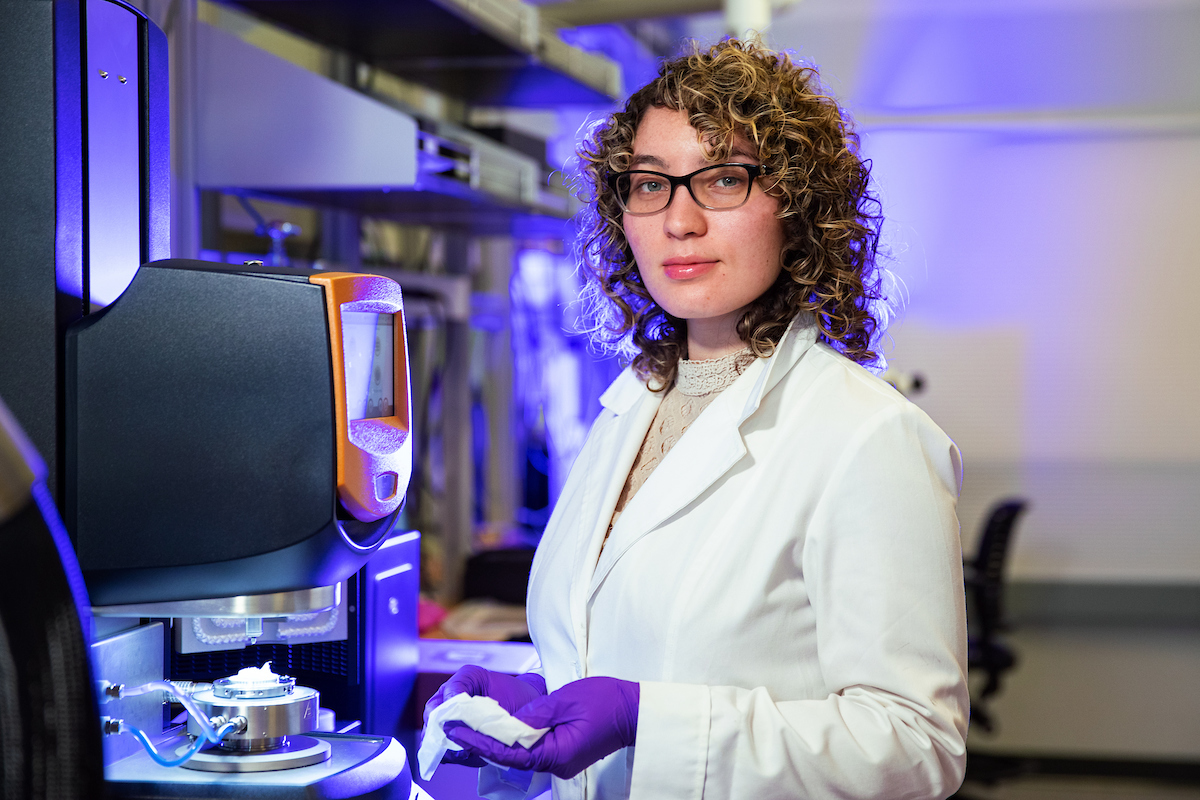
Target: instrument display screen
x=368, y=343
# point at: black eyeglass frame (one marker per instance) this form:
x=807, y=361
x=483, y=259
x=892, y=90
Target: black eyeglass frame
x=754, y=170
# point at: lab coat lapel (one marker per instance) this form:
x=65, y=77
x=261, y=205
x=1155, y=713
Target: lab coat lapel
x=634, y=407
x=709, y=449
x=702, y=455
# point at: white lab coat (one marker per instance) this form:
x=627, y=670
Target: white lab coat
x=786, y=588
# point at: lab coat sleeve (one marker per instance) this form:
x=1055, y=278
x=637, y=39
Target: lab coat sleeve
x=497, y=783
x=881, y=560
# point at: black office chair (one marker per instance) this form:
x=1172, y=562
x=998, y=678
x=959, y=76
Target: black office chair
x=502, y=575
x=985, y=596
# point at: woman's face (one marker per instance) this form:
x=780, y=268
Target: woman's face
x=696, y=263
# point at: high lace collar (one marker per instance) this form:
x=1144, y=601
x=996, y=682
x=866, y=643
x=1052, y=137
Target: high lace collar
x=700, y=378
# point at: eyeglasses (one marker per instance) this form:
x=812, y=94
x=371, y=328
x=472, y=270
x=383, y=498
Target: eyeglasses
x=717, y=188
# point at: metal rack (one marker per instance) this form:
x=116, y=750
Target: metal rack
x=462, y=180
x=486, y=52
x=268, y=126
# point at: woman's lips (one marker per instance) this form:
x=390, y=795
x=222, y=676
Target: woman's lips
x=682, y=270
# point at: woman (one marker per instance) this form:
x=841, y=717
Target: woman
x=751, y=585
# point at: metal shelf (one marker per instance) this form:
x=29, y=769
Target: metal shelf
x=485, y=52
x=274, y=129
x=433, y=201
x=479, y=189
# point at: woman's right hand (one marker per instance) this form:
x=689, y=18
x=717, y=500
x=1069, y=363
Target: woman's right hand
x=511, y=692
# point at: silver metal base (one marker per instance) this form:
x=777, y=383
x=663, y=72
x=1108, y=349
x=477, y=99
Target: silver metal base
x=360, y=768
x=278, y=604
x=297, y=751
x=266, y=717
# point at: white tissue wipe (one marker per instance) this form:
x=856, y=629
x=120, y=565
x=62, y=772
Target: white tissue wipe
x=482, y=714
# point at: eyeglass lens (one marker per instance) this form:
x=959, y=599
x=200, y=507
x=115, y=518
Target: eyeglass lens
x=722, y=186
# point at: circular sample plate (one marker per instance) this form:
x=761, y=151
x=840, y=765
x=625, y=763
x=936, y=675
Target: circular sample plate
x=299, y=751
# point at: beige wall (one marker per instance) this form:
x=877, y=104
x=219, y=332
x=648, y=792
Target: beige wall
x=1093, y=692
x=1053, y=288
x=1039, y=163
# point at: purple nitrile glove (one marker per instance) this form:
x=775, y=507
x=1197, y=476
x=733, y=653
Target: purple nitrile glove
x=588, y=719
x=509, y=691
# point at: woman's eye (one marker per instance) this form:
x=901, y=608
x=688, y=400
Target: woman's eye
x=647, y=186
x=728, y=181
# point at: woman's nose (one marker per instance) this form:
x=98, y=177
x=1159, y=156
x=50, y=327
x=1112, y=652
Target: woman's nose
x=683, y=217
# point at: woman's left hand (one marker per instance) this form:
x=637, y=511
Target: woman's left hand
x=588, y=719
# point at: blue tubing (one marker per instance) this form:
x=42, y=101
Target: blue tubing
x=194, y=712
x=159, y=758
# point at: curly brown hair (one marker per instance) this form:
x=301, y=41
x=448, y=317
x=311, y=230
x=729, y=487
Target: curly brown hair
x=831, y=218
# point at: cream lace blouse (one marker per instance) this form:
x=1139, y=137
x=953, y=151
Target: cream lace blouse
x=697, y=384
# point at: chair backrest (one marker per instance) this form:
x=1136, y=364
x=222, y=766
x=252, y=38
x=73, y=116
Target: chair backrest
x=502, y=575
x=988, y=565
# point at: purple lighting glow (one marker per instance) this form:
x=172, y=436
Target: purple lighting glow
x=113, y=151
